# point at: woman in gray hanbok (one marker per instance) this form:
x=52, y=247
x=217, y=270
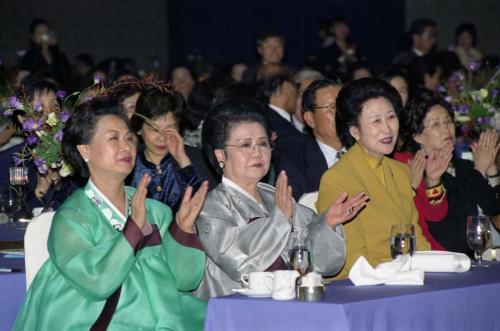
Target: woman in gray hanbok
x=246, y=225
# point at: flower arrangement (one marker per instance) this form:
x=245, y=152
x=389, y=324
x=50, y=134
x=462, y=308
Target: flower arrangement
x=475, y=97
x=43, y=131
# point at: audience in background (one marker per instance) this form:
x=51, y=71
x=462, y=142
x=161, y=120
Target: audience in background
x=306, y=162
x=271, y=48
x=422, y=35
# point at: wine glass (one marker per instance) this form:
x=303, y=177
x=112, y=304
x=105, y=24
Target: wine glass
x=300, y=257
x=402, y=239
x=478, y=237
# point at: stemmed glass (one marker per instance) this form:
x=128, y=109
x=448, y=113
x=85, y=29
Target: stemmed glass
x=478, y=237
x=300, y=258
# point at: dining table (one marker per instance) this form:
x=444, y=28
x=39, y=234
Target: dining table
x=447, y=301
x=12, y=276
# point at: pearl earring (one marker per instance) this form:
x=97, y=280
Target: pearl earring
x=222, y=164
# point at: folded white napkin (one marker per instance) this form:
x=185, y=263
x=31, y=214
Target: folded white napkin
x=439, y=261
x=396, y=272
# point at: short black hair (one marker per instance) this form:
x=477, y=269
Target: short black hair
x=350, y=103
x=31, y=86
x=270, y=78
x=269, y=34
x=309, y=95
x=412, y=121
x=37, y=22
x=223, y=118
x=394, y=72
x=80, y=129
x=466, y=27
x=155, y=103
x=240, y=92
x=420, y=66
x=419, y=25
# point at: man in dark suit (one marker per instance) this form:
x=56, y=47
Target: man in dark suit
x=307, y=162
x=423, y=39
x=275, y=81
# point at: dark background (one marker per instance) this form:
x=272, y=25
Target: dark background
x=225, y=31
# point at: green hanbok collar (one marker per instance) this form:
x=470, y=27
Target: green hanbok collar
x=108, y=210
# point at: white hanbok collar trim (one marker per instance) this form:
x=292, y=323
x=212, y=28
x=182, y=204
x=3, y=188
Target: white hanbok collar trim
x=123, y=218
x=230, y=183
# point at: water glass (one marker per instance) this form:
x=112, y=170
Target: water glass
x=478, y=237
x=402, y=239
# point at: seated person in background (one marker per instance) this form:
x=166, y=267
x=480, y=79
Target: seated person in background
x=162, y=155
x=425, y=73
x=271, y=48
x=308, y=161
x=246, y=225
x=422, y=42
x=275, y=81
x=47, y=190
x=10, y=144
x=126, y=93
x=8, y=137
x=465, y=44
x=303, y=79
x=471, y=186
x=118, y=261
x=367, y=123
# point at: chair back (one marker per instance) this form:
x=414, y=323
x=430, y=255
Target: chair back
x=309, y=200
x=35, y=244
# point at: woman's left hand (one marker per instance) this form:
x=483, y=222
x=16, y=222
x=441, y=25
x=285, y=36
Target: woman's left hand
x=436, y=165
x=191, y=207
x=175, y=145
x=343, y=210
x=283, y=195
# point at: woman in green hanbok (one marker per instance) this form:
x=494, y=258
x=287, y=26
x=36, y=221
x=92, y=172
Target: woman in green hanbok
x=118, y=261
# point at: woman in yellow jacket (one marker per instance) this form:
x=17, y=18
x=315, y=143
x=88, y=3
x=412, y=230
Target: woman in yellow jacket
x=367, y=120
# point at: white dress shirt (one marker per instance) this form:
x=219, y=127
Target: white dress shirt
x=283, y=113
x=330, y=153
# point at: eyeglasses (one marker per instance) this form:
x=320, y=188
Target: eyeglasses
x=434, y=125
x=264, y=146
x=330, y=107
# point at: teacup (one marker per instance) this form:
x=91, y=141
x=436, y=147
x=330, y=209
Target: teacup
x=259, y=282
x=284, y=284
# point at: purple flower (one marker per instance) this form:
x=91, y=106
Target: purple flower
x=87, y=98
x=8, y=112
x=494, y=93
x=37, y=107
x=457, y=76
x=58, y=136
x=38, y=161
x=17, y=160
x=14, y=103
x=43, y=169
x=64, y=117
x=32, y=125
x=447, y=98
x=463, y=109
x=492, y=110
x=32, y=139
x=61, y=94
x=473, y=65
x=440, y=89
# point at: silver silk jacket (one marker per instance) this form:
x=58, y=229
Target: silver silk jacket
x=241, y=236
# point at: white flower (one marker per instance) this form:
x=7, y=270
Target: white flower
x=65, y=169
x=52, y=120
x=483, y=93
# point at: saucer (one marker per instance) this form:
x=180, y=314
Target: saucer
x=253, y=294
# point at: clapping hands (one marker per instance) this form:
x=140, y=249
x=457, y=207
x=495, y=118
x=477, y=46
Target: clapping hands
x=191, y=207
x=283, y=195
x=434, y=165
x=344, y=209
x=485, y=152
